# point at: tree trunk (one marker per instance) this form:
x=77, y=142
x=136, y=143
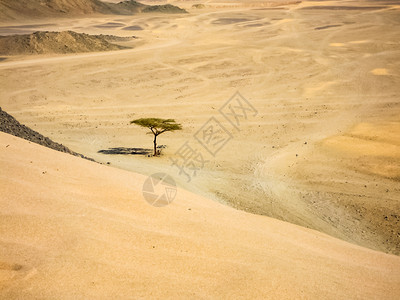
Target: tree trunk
x=155, y=145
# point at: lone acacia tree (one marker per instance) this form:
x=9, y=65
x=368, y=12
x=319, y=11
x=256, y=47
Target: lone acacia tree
x=157, y=126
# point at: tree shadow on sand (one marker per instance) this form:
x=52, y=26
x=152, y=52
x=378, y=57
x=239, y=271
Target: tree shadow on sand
x=126, y=151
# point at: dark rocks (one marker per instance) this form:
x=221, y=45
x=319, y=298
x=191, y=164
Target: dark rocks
x=10, y=125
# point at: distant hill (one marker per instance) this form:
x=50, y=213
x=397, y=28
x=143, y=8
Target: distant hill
x=128, y=7
x=166, y=8
x=56, y=42
x=37, y=9
x=48, y=8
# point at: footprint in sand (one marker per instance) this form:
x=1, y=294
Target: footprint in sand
x=10, y=267
x=9, y=271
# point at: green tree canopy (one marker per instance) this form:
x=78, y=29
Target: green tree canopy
x=157, y=126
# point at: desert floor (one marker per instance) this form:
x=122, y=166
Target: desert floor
x=75, y=229
x=322, y=151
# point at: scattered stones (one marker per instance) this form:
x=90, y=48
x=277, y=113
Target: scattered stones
x=43, y=42
x=10, y=125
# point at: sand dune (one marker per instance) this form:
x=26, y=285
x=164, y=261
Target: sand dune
x=71, y=228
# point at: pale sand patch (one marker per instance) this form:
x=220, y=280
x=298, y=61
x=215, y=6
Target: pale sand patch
x=360, y=42
x=336, y=44
x=284, y=21
x=380, y=71
x=317, y=89
x=86, y=229
x=375, y=146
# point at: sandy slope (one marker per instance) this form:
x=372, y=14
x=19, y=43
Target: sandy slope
x=324, y=82
x=70, y=228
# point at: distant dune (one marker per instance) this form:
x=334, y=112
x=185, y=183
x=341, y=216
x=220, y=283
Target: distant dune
x=37, y=9
x=54, y=42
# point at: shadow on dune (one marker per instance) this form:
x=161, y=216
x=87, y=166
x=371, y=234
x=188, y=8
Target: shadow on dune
x=133, y=27
x=126, y=151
